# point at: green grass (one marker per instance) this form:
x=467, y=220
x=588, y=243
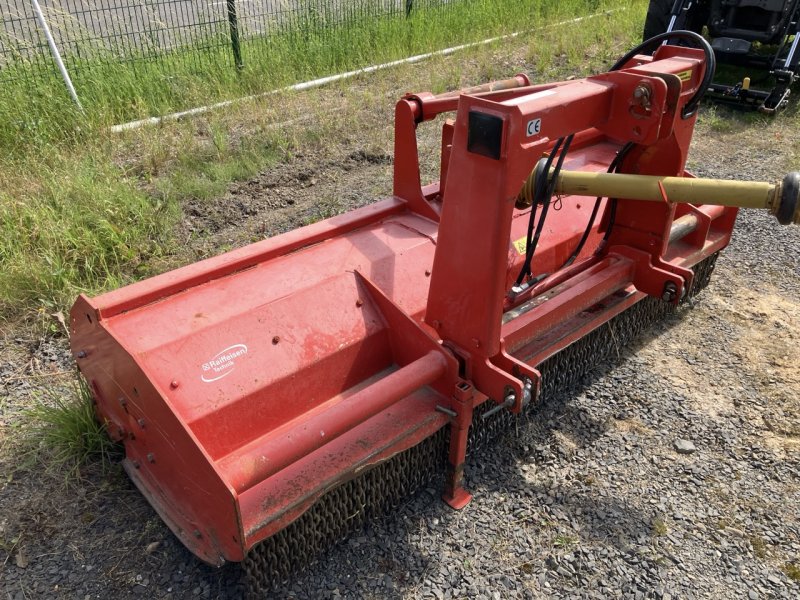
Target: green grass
x=61, y=431
x=83, y=210
x=36, y=111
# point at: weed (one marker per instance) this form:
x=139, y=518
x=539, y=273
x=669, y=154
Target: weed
x=792, y=571
x=35, y=110
x=62, y=430
x=564, y=541
x=759, y=546
x=659, y=527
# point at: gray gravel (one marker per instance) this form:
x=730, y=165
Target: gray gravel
x=594, y=496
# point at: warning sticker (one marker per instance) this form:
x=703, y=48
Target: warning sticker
x=521, y=244
x=684, y=75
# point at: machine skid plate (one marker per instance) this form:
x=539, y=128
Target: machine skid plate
x=249, y=388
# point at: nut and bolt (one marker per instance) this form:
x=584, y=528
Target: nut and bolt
x=642, y=92
x=670, y=292
x=527, y=391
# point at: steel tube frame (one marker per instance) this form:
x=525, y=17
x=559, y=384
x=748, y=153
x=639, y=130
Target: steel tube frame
x=298, y=440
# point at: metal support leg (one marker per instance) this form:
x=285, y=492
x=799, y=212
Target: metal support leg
x=455, y=495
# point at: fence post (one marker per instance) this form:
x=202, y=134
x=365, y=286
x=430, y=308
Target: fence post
x=409, y=7
x=233, y=22
x=56, y=54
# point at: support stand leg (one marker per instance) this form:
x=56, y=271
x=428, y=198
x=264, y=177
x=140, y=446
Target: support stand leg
x=455, y=495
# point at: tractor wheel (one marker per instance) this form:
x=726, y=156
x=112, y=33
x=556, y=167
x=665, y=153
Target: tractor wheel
x=658, y=17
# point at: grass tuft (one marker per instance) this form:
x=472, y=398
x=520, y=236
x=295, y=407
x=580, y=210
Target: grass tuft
x=62, y=431
x=792, y=571
x=659, y=527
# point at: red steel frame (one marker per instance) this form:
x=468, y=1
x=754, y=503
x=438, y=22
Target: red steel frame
x=246, y=386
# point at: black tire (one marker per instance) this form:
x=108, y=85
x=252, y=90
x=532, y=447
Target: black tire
x=658, y=17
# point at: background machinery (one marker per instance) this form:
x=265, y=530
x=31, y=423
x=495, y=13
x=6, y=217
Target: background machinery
x=751, y=34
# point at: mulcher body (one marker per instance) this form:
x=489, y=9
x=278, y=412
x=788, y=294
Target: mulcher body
x=247, y=387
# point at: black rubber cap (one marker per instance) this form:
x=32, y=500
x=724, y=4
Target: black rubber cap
x=790, y=191
x=540, y=174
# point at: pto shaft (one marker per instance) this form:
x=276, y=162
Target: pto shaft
x=781, y=199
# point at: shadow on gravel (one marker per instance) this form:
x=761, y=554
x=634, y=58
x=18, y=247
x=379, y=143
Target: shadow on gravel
x=559, y=429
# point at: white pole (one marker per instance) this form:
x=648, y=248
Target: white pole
x=56, y=55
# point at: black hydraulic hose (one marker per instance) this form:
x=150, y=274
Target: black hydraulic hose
x=612, y=168
x=612, y=210
x=539, y=185
x=652, y=45
x=545, y=187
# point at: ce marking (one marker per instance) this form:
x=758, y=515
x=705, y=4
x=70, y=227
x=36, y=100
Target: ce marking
x=534, y=127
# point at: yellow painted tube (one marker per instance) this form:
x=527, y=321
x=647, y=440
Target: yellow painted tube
x=684, y=190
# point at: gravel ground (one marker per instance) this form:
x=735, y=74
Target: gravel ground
x=674, y=473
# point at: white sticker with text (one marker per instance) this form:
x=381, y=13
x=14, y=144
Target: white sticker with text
x=223, y=363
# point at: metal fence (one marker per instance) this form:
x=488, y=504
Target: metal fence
x=90, y=32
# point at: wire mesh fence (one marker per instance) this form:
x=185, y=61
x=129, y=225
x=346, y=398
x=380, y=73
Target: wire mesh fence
x=211, y=33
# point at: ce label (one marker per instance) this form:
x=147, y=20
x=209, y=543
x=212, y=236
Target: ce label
x=534, y=127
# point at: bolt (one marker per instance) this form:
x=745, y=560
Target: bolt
x=359, y=302
x=174, y=384
x=81, y=354
x=276, y=339
x=670, y=292
x=527, y=391
x=141, y=423
x=427, y=272
x=151, y=457
x=197, y=534
x=123, y=402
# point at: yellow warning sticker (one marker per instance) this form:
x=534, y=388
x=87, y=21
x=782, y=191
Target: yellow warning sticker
x=521, y=244
x=684, y=75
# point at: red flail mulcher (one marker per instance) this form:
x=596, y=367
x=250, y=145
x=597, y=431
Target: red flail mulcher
x=275, y=397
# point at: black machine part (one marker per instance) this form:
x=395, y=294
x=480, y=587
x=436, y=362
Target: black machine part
x=759, y=34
